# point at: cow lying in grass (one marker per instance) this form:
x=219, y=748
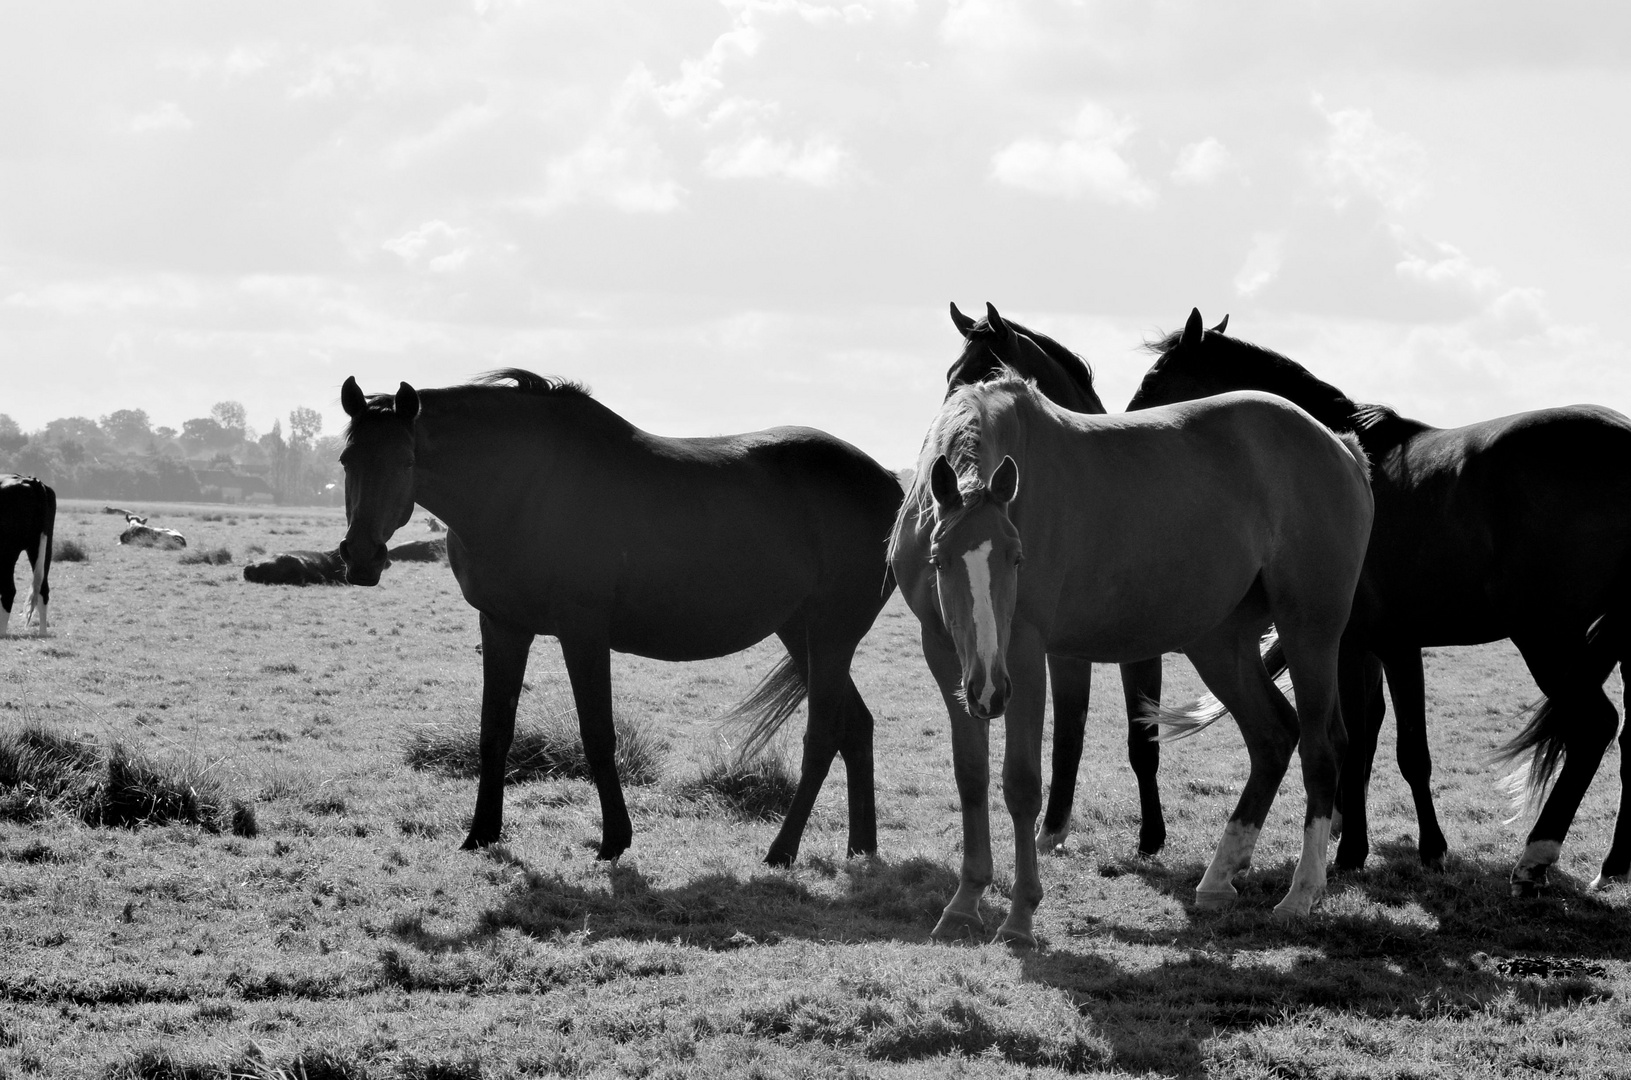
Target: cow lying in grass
x=139, y=533
x=325, y=567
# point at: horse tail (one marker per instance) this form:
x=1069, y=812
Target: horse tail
x=1542, y=738
x=1206, y=710
x=761, y=714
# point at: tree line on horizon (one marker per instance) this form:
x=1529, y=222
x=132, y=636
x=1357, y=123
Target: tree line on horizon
x=215, y=458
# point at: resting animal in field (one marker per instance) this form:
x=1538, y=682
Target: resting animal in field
x=28, y=516
x=326, y=567
x=143, y=535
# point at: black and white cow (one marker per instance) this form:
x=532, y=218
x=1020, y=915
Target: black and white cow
x=28, y=517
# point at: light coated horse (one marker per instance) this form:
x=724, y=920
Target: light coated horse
x=1189, y=528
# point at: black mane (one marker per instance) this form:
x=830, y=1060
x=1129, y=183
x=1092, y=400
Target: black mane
x=529, y=383
x=1076, y=369
x=1271, y=372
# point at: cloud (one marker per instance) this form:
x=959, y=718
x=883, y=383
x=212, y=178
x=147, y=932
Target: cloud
x=414, y=244
x=1357, y=154
x=166, y=117
x=1262, y=263
x=819, y=162
x=1203, y=162
x=1087, y=161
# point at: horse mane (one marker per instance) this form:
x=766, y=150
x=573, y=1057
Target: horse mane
x=1383, y=429
x=1076, y=369
x=959, y=432
x=528, y=383
x=1274, y=373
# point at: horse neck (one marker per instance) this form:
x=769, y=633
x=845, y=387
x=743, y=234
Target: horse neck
x=1280, y=375
x=474, y=450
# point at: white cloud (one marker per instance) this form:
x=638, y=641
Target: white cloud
x=623, y=167
x=1203, y=162
x=1262, y=263
x=166, y=117
x=1087, y=161
x=819, y=162
x=437, y=236
x=1390, y=167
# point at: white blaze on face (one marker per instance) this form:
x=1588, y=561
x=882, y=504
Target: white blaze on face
x=978, y=562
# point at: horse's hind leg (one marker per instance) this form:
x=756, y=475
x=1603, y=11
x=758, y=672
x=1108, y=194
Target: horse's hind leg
x=589, y=667
x=821, y=741
x=1314, y=657
x=8, y=587
x=1228, y=662
x=1406, y=684
x=855, y=747
x=1141, y=688
x=503, y=662
x=1071, y=680
x=1583, y=723
x=1617, y=864
x=1359, y=683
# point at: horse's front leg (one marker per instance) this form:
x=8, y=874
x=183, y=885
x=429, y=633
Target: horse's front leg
x=1141, y=689
x=970, y=758
x=503, y=661
x=1071, y=680
x=1022, y=778
x=589, y=667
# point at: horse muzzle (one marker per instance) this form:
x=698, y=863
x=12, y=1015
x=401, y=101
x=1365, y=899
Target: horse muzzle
x=987, y=697
x=360, y=571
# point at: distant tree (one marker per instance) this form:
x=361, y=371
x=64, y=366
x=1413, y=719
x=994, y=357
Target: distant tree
x=304, y=426
x=203, y=435
x=229, y=414
x=81, y=429
x=72, y=451
x=165, y=432
x=127, y=428
x=12, y=438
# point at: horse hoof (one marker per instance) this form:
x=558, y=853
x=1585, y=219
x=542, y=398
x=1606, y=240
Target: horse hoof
x=1290, y=911
x=1216, y=899
x=780, y=859
x=1151, y=843
x=1435, y=863
x=958, y=926
x=1016, y=938
x=1527, y=890
x=1604, y=880
x=1051, y=842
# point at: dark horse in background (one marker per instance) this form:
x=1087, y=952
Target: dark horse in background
x=28, y=516
x=1518, y=527
x=1065, y=379
x=565, y=519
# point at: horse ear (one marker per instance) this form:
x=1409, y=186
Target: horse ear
x=963, y=323
x=352, y=398
x=407, y=402
x=1192, y=329
x=943, y=483
x=1005, y=481
x=993, y=319
x=1222, y=325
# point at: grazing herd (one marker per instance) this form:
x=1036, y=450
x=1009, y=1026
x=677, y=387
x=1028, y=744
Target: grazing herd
x=1239, y=502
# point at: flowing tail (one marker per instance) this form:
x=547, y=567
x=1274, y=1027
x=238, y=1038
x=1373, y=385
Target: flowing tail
x=1206, y=710
x=1542, y=737
x=761, y=714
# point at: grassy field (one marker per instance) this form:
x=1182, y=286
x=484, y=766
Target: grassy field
x=327, y=926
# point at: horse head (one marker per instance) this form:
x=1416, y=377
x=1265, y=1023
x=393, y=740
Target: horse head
x=1186, y=368
x=994, y=343
x=975, y=551
x=379, y=484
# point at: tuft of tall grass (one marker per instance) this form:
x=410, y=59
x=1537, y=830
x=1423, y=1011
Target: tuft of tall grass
x=760, y=787
x=549, y=749
x=220, y=556
x=42, y=770
x=69, y=551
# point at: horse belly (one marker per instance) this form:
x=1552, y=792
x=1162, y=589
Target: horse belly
x=1118, y=620
x=701, y=617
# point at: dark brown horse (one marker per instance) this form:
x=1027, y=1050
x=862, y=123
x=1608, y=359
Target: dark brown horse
x=1189, y=528
x=28, y=515
x=564, y=519
x=1065, y=379
x=1518, y=527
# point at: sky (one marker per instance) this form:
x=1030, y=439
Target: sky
x=725, y=215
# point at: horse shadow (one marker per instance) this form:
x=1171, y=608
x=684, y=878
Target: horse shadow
x=1392, y=942
x=870, y=899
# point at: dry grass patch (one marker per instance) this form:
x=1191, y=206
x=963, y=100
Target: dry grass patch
x=69, y=551
x=758, y=788
x=219, y=556
x=549, y=749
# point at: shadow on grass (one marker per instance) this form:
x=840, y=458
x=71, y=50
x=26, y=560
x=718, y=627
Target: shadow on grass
x=876, y=900
x=1392, y=942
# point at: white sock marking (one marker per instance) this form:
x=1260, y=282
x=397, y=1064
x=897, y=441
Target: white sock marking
x=978, y=562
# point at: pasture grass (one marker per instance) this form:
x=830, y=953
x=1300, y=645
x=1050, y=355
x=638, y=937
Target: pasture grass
x=758, y=787
x=68, y=550
x=547, y=749
x=217, y=556
x=347, y=935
